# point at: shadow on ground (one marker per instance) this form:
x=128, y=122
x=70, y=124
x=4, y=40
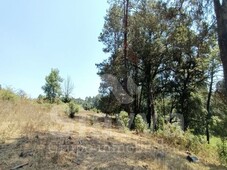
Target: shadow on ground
x=59, y=151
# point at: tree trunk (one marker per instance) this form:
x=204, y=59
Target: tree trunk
x=221, y=16
x=153, y=111
x=148, y=107
x=125, y=23
x=184, y=110
x=212, y=72
x=126, y=6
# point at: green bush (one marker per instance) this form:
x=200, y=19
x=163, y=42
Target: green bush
x=58, y=101
x=96, y=110
x=87, y=106
x=40, y=99
x=124, y=119
x=73, y=108
x=140, y=124
x=7, y=95
x=176, y=137
x=171, y=134
x=222, y=152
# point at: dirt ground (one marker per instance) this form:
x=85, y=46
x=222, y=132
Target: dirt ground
x=91, y=141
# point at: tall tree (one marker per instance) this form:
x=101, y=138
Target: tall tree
x=166, y=50
x=213, y=69
x=220, y=7
x=52, y=88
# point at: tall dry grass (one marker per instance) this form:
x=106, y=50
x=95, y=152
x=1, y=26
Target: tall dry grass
x=22, y=117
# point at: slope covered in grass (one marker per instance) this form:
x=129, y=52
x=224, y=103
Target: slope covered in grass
x=41, y=136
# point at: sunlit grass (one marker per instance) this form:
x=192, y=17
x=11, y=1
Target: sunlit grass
x=23, y=119
x=214, y=141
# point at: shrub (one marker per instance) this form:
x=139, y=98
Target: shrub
x=176, y=137
x=58, y=101
x=171, y=134
x=73, y=108
x=222, y=152
x=124, y=119
x=87, y=106
x=96, y=110
x=140, y=124
x=40, y=99
x=7, y=94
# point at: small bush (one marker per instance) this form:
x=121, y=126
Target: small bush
x=124, y=119
x=58, y=101
x=176, y=137
x=96, y=110
x=7, y=95
x=73, y=108
x=87, y=106
x=40, y=99
x=222, y=152
x=192, y=142
x=140, y=124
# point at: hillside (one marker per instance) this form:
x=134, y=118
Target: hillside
x=41, y=136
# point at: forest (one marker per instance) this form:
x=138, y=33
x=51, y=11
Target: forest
x=165, y=55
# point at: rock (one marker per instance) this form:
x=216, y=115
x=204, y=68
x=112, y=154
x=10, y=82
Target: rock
x=192, y=159
x=161, y=155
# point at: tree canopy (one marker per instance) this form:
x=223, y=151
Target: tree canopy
x=52, y=88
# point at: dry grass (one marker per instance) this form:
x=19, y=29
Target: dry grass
x=46, y=138
x=22, y=118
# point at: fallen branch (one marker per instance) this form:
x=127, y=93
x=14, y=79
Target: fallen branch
x=19, y=166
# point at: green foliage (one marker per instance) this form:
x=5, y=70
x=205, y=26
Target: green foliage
x=87, y=106
x=167, y=54
x=160, y=122
x=176, y=137
x=193, y=142
x=91, y=102
x=108, y=104
x=222, y=152
x=197, y=112
x=219, y=122
x=79, y=101
x=96, y=110
x=124, y=119
x=140, y=124
x=8, y=95
x=73, y=108
x=41, y=99
x=219, y=118
x=52, y=88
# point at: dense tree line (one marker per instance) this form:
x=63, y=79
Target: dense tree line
x=169, y=50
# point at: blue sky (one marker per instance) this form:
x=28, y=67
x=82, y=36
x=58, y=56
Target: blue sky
x=37, y=35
